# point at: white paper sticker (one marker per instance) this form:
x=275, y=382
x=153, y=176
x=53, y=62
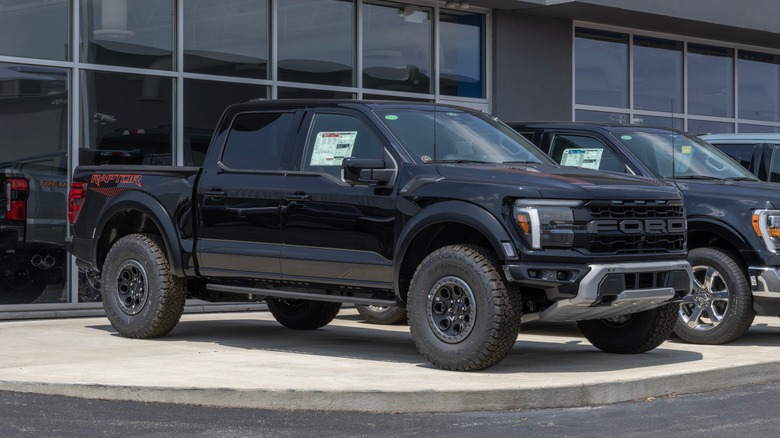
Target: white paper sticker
x=330, y=148
x=587, y=158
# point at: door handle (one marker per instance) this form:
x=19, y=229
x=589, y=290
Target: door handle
x=297, y=197
x=214, y=194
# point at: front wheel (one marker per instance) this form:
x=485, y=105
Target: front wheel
x=462, y=316
x=720, y=308
x=633, y=333
x=141, y=296
x=384, y=315
x=302, y=314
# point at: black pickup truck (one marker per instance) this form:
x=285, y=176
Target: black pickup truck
x=733, y=219
x=444, y=210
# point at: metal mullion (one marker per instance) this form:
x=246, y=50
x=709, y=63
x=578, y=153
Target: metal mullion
x=273, y=55
x=358, y=38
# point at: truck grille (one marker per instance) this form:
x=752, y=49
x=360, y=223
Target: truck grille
x=635, y=227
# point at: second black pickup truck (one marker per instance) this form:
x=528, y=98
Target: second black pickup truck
x=447, y=211
x=733, y=219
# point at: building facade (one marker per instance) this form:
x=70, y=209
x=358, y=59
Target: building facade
x=144, y=81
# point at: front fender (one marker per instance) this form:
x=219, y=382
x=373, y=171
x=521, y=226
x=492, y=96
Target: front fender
x=458, y=212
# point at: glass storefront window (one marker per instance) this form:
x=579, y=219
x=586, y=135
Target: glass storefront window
x=461, y=54
x=303, y=93
x=701, y=127
x=200, y=120
x=658, y=75
x=664, y=122
x=137, y=33
x=744, y=127
x=126, y=119
x=228, y=37
x=33, y=174
x=315, y=41
x=601, y=68
x=21, y=22
x=710, y=80
x=397, y=47
x=759, y=86
x=601, y=117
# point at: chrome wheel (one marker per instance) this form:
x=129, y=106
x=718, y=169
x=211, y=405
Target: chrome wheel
x=706, y=306
x=451, y=309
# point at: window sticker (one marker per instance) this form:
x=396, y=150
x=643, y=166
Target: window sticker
x=587, y=158
x=686, y=149
x=330, y=148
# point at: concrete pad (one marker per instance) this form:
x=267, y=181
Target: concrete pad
x=248, y=360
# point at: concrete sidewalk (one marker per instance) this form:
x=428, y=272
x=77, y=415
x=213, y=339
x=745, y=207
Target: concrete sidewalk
x=249, y=360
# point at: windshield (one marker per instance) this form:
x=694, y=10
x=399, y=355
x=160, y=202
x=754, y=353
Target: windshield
x=675, y=155
x=459, y=136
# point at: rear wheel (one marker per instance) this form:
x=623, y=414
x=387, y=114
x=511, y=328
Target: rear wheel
x=141, y=296
x=461, y=314
x=385, y=315
x=21, y=285
x=631, y=334
x=720, y=308
x=302, y=314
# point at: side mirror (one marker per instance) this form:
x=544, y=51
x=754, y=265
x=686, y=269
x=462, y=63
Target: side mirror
x=365, y=171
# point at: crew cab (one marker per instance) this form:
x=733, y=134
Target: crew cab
x=444, y=210
x=733, y=218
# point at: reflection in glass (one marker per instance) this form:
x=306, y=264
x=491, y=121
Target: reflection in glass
x=744, y=127
x=33, y=175
x=710, y=80
x=137, y=33
x=461, y=57
x=658, y=75
x=601, y=117
x=20, y=29
x=397, y=46
x=200, y=120
x=303, y=93
x=759, y=86
x=316, y=41
x=701, y=127
x=228, y=37
x=601, y=68
x=127, y=119
x=664, y=122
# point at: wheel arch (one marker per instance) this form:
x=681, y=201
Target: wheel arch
x=136, y=212
x=703, y=232
x=442, y=224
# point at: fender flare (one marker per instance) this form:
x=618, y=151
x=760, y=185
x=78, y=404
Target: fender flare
x=721, y=229
x=150, y=206
x=451, y=211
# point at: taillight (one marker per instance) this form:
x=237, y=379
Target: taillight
x=78, y=192
x=16, y=191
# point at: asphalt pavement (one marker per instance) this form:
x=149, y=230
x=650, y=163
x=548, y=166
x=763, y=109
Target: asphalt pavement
x=247, y=359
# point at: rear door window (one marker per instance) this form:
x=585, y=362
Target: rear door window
x=257, y=141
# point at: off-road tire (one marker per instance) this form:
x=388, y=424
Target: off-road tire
x=383, y=315
x=631, y=334
x=302, y=314
x=141, y=296
x=462, y=315
x=732, y=304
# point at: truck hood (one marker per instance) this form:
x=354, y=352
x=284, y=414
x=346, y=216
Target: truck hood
x=717, y=196
x=561, y=182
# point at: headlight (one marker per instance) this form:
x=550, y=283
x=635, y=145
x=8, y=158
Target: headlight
x=767, y=226
x=546, y=223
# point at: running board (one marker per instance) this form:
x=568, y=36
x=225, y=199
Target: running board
x=276, y=293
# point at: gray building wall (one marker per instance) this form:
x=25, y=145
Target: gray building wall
x=523, y=88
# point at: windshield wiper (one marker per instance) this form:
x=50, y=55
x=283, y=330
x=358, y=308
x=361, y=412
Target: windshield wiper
x=461, y=160
x=699, y=177
x=522, y=162
x=741, y=178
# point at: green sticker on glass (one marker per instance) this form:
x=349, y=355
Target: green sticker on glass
x=391, y=117
x=626, y=137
